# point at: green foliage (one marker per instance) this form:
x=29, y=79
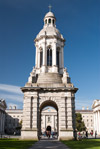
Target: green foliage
x=80, y=126
x=15, y=144
x=84, y=144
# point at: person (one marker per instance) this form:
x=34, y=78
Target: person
x=86, y=134
x=95, y=134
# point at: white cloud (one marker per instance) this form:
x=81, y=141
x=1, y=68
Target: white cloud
x=10, y=88
x=13, y=97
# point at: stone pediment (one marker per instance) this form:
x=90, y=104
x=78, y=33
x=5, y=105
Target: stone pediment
x=96, y=103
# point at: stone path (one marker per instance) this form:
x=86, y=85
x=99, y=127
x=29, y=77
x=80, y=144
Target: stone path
x=49, y=144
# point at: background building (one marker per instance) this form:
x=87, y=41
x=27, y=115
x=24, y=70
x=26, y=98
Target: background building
x=3, y=107
x=49, y=118
x=87, y=117
x=13, y=120
x=96, y=114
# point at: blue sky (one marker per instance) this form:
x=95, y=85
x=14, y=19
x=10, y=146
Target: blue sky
x=77, y=20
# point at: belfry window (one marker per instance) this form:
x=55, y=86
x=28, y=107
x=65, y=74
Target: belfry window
x=53, y=21
x=46, y=21
x=57, y=59
x=49, y=57
x=41, y=58
x=49, y=21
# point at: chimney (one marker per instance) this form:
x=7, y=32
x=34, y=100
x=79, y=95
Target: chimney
x=10, y=107
x=83, y=108
x=14, y=107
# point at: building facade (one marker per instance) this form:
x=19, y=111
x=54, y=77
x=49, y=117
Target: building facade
x=49, y=118
x=87, y=117
x=13, y=121
x=49, y=85
x=3, y=106
x=96, y=114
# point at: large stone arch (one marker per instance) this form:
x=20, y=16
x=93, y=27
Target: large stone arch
x=49, y=100
x=46, y=103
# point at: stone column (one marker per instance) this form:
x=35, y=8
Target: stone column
x=1, y=122
x=98, y=122
x=36, y=58
x=44, y=57
x=45, y=122
x=35, y=113
x=54, y=54
x=94, y=122
x=69, y=112
x=27, y=116
x=44, y=54
x=54, y=57
x=62, y=57
x=62, y=115
x=52, y=122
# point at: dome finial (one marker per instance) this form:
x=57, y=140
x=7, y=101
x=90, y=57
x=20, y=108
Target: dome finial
x=50, y=8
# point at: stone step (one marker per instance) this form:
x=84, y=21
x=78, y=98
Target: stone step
x=49, y=78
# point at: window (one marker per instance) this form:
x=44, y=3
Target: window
x=49, y=20
x=41, y=58
x=49, y=119
x=46, y=21
x=57, y=59
x=49, y=57
x=53, y=22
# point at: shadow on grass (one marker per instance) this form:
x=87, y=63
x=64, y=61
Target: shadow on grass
x=15, y=144
x=84, y=144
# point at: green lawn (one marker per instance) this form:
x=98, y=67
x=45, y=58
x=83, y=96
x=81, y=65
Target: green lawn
x=15, y=144
x=84, y=144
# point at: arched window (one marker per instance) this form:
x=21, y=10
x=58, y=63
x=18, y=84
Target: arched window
x=53, y=21
x=57, y=54
x=49, y=21
x=41, y=57
x=46, y=21
x=49, y=56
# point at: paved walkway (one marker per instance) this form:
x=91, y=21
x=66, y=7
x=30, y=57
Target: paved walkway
x=49, y=144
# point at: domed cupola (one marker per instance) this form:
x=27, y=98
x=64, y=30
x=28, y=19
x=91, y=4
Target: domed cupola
x=49, y=19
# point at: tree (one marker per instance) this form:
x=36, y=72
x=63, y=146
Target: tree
x=79, y=123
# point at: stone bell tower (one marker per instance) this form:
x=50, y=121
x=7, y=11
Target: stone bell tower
x=49, y=85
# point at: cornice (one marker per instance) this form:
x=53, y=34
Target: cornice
x=49, y=37
x=25, y=89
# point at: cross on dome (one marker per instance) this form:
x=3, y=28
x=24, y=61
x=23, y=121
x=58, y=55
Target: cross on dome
x=50, y=8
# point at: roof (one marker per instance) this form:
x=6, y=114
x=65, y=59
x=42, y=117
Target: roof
x=49, y=14
x=82, y=111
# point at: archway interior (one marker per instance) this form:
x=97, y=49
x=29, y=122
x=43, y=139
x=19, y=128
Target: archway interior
x=49, y=117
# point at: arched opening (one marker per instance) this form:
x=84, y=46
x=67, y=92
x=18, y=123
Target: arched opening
x=57, y=55
x=48, y=128
x=49, y=56
x=53, y=21
x=48, y=119
x=49, y=21
x=41, y=57
x=46, y=21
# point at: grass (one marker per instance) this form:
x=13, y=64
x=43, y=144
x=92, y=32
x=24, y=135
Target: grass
x=15, y=144
x=84, y=144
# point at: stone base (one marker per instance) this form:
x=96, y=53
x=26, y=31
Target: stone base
x=66, y=135
x=55, y=69
x=29, y=134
